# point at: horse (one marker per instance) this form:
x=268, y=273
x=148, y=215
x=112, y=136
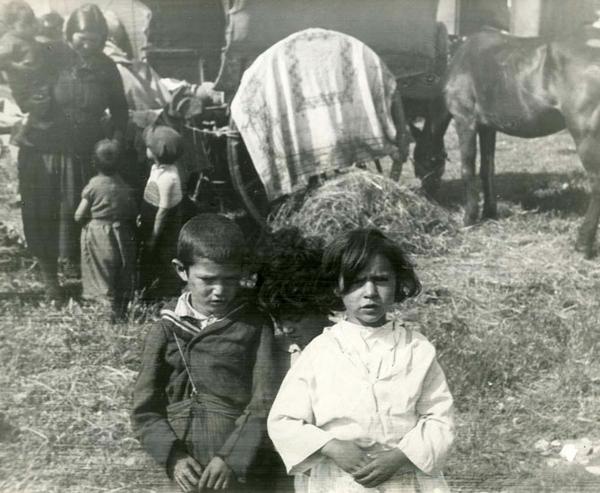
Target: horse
x=524, y=87
x=422, y=100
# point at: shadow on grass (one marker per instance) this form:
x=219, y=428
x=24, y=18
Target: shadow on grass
x=558, y=192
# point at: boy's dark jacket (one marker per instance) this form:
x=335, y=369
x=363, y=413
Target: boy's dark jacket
x=230, y=360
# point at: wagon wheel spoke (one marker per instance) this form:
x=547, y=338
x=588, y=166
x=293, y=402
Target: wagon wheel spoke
x=245, y=180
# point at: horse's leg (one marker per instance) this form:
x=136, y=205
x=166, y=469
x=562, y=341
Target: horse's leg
x=396, y=168
x=430, y=153
x=467, y=138
x=487, y=150
x=402, y=139
x=588, y=149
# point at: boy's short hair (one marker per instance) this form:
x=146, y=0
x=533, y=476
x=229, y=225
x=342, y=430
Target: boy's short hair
x=14, y=10
x=349, y=254
x=106, y=156
x=211, y=236
x=164, y=142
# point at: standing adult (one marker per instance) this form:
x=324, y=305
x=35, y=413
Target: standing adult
x=87, y=84
x=146, y=95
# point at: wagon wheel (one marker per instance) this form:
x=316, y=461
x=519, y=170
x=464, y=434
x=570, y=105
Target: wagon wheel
x=244, y=178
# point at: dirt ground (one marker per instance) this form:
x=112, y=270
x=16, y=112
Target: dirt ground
x=513, y=310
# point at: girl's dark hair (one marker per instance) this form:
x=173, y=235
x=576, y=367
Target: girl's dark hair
x=290, y=281
x=347, y=255
x=211, y=236
x=88, y=17
x=106, y=156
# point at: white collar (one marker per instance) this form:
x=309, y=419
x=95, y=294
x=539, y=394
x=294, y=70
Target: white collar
x=184, y=308
x=387, y=334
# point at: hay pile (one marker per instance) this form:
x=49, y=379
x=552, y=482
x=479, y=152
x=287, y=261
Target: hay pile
x=362, y=199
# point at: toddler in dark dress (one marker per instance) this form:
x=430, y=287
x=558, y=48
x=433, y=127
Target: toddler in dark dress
x=108, y=248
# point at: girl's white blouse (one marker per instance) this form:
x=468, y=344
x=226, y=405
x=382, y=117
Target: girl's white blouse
x=380, y=387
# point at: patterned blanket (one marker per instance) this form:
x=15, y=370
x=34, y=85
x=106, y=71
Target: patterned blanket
x=313, y=103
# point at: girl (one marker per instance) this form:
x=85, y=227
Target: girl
x=107, y=240
x=161, y=213
x=292, y=291
x=366, y=405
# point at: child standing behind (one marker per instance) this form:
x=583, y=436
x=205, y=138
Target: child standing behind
x=366, y=405
x=108, y=249
x=29, y=68
x=160, y=213
x=207, y=381
x=292, y=290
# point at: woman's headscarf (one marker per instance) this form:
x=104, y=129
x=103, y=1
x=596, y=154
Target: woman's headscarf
x=86, y=18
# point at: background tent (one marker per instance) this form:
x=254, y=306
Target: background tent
x=185, y=38
x=180, y=38
x=134, y=15
x=550, y=18
x=401, y=32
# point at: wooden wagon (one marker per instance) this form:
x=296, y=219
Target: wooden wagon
x=404, y=33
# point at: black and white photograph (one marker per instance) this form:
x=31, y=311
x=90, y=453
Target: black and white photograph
x=299, y=246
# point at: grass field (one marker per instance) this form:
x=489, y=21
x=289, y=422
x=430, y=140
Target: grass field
x=513, y=310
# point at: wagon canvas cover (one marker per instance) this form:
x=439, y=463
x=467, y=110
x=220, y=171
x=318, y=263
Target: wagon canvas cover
x=314, y=103
x=401, y=32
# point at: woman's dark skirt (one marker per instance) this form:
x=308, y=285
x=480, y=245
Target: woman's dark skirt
x=50, y=186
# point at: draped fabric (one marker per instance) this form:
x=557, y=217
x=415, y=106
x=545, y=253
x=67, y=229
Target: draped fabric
x=313, y=103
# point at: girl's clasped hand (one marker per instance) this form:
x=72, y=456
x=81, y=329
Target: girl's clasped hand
x=367, y=468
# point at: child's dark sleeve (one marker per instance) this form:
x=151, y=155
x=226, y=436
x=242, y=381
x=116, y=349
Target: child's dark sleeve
x=241, y=448
x=149, y=416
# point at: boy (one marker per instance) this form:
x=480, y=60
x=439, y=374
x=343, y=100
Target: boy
x=207, y=379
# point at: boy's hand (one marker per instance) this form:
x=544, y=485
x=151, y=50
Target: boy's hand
x=382, y=467
x=216, y=476
x=186, y=472
x=346, y=454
